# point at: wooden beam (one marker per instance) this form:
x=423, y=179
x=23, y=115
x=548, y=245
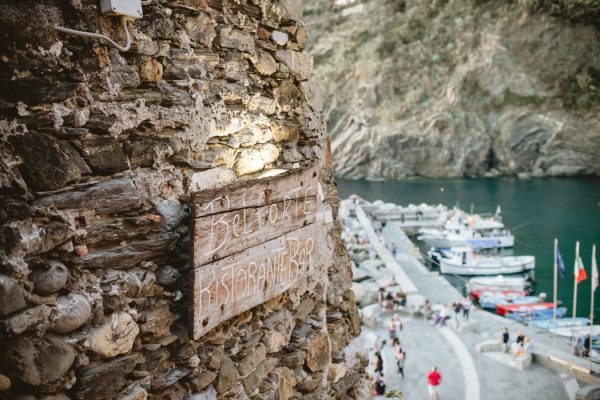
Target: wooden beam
x=220, y=235
x=259, y=192
x=237, y=283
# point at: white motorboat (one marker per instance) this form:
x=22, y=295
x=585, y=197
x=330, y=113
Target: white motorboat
x=577, y=332
x=462, y=261
x=463, y=230
x=498, y=283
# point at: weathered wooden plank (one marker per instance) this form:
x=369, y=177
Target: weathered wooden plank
x=260, y=192
x=220, y=235
x=230, y=286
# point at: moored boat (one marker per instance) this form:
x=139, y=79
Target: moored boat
x=476, y=294
x=491, y=302
x=498, y=283
x=560, y=323
x=538, y=315
x=577, y=331
x=502, y=309
x=462, y=261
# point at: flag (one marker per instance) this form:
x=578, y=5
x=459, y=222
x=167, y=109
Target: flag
x=594, y=274
x=580, y=274
x=561, y=263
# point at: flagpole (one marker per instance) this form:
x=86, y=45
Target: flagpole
x=555, y=294
x=576, y=273
x=593, y=285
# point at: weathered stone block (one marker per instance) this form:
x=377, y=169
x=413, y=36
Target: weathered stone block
x=24, y=320
x=92, y=379
x=111, y=196
x=211, y=179
x=264, y=63
x=37, y=361
x=48, y=163
x=259, y=374
x=49, y=277
x=254, y=357
x=317, y=351
x=12, y=296
x=104, y=154
x=115, y=336
x=234, y=39
x=300, y=64
x=227, y=376
x=72, y=312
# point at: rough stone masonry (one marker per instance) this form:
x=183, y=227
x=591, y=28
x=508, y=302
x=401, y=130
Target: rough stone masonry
x=100, y=154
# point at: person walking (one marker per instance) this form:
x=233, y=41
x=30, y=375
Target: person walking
x=466, y=308
x=457, y=310
x=378, y=361
x=433, y=382
x=400, y=355
x=391, y=327
x=587, y=345
x=505, y=339
x=442, y=317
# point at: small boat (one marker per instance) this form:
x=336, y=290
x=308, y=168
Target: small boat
x=561, y=323
x=491, y=302
x=498, y=283
x=502, y=309
x=476, y=294
x=577, y=331
x=462, y=261
x=463, y=230
x=539, y=315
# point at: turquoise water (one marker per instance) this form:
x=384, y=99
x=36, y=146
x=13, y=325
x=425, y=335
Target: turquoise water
x=538, y=210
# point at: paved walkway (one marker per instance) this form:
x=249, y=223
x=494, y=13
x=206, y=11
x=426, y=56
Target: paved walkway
x=466, y=374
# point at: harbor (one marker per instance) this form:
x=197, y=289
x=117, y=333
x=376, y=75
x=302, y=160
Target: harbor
x=467, y=352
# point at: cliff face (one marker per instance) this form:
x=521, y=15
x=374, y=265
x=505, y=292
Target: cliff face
x=101, y=153
x=456, y=88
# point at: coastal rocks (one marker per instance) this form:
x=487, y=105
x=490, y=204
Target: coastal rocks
x=421, y=97
x=72, y=312
x=115, y=336
x=12, y=296
x=50, y=278
x=37, y=361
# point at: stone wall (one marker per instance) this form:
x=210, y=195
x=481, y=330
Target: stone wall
x=100, y=152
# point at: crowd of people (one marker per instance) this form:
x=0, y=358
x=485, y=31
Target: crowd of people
x=394, y=330
x=460, y=308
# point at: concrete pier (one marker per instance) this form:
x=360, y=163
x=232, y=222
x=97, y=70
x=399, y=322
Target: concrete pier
x=466, y=373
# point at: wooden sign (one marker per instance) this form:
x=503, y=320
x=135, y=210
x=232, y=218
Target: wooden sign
x=252, y=242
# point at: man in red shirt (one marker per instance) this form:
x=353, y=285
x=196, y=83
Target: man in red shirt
x=433, y=382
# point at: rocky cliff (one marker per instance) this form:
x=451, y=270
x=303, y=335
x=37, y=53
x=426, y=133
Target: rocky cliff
x=451, y=88
x=101, y=153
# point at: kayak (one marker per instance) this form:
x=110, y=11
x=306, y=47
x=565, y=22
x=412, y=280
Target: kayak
x=560, y=323
x=502, y=309
x=540, y=315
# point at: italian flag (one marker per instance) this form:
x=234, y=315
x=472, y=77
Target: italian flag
x=580, y=274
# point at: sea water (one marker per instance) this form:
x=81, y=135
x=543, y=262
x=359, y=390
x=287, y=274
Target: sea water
x=537, y=211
